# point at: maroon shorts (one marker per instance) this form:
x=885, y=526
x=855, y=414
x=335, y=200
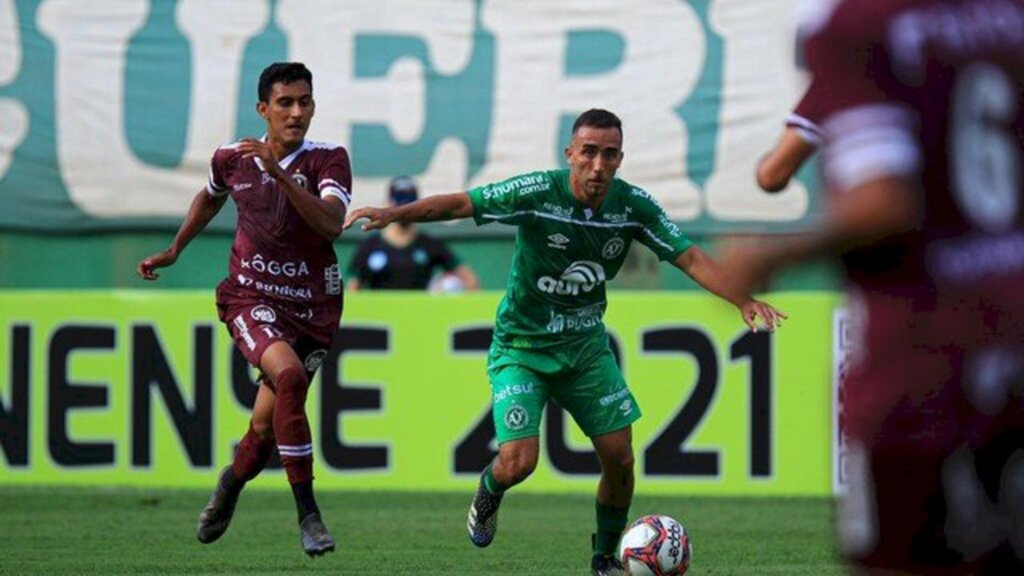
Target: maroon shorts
x=254, y=326
x=936, y=412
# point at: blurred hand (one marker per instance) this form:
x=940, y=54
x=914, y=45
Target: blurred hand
x=147, y=268
x=377, y=218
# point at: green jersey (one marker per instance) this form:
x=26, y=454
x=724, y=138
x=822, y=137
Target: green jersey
x=565, y=252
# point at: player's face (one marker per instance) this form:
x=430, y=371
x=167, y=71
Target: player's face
x=288, y=112
x=594, y=155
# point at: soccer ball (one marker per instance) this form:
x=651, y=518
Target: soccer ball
x=655, y=545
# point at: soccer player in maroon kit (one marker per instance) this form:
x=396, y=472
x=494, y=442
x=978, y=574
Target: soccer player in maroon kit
x=922, y=156
x=282, y=298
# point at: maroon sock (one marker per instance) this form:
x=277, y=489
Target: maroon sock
x=291, y=428
x=252, y=455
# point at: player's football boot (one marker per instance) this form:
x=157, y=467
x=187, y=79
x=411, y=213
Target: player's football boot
x=606, y=565
x=216, y=516
x=483, y=516
x=316, y=540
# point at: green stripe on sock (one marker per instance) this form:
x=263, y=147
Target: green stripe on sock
x=492, y=485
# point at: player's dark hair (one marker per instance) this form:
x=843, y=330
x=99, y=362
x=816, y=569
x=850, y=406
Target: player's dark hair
x=285, y=73
x=597, y=118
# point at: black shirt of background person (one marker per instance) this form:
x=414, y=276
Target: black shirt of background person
x=380, y=266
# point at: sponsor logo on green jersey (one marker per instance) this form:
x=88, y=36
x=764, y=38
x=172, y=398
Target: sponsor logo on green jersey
x=581, y=275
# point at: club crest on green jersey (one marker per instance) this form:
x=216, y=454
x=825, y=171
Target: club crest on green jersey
x=516, y=418
x=612, y=248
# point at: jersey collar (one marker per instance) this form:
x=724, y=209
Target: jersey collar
x=287, y=160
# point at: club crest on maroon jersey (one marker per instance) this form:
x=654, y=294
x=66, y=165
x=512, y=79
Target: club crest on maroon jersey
x=264, y=314
x=314, y=360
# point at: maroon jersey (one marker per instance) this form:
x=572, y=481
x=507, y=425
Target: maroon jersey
x=276, y=256
x=930, y=91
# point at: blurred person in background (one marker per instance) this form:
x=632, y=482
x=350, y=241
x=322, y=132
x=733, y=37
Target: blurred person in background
x=575, y=227
x=923, y=156
x=282, y=299
x=401, y=257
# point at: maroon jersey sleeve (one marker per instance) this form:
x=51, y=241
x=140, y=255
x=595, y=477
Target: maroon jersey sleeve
x=806, y=117
x=335, y=176
x=868, y=132
x=221, y=166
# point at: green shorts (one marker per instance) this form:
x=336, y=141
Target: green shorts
x=586, y=382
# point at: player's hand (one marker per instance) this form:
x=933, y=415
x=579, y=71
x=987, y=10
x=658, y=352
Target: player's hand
x=770, y=317
x=376, y=218
x=147, y=268
x=253, y=148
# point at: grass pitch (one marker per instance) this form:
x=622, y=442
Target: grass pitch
x=104, y=532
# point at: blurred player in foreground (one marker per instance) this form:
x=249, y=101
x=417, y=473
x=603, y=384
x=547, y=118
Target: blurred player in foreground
x=922, y=155
x=282, y=298
x=575, y=228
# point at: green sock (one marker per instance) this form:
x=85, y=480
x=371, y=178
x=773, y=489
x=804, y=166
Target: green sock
x=492, y=484
x=611, y=522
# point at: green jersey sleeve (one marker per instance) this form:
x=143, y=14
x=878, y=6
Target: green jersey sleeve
x=658, y=232
x=511, y=201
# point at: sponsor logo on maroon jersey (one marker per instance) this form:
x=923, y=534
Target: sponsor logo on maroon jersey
x=243, y=331
x=264, y=314
x=332, y=279
x=275, y=268
x=284, y=290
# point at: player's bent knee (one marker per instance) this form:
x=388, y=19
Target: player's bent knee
x=263, y=428
x=519, y=464
x=291, y=381
x=625, y=463
x=619, y=467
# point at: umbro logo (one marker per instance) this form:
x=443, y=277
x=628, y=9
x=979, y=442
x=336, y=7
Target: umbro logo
x=558, y=241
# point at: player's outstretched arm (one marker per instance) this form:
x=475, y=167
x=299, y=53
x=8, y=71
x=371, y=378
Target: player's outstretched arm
x=709, y=274
x=431, y=209
x=204, y=207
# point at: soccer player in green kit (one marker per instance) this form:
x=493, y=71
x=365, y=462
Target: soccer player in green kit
x=575, y=228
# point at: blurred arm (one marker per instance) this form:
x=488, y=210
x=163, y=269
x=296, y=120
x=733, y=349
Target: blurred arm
x=862, y=215
x=467, y=276
x=778, y=166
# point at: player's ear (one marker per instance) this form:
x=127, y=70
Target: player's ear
x=261, y=109
x=312, y=108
